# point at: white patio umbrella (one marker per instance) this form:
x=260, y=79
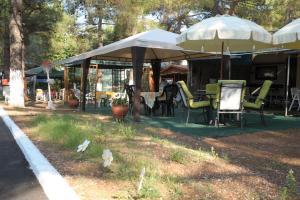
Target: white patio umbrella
x=225, y=32
x=288, y=37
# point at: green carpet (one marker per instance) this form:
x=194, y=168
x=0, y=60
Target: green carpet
x=197, y=127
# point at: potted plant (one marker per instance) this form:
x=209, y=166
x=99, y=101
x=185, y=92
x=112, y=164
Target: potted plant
x=73, y=102
x=119, y=108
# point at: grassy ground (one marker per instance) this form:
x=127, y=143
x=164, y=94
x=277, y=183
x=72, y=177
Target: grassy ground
x=178, y=166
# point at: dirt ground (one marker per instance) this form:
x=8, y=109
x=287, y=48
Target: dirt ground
x=247, y=166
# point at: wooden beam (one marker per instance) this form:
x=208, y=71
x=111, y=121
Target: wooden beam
x=66, y=84
x=138, y=55
x=85, y=72
x=156, y=66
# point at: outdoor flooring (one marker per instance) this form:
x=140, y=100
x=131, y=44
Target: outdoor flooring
x=197, y=127
x=251, y=162
x=17, y=181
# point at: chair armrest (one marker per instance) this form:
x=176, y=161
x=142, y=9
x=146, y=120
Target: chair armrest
x=255, y=91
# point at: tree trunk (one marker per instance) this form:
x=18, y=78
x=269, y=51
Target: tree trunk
x=16, y=55
x=6, y=51
x=100, y=11
x=100, y=32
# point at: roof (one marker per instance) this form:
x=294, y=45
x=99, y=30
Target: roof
x=39, y=71
x=174, y=69
x=159, y=44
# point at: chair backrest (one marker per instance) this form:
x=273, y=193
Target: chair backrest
x=130, y=92
x=170, y=92
x=39, y=92
x=76, y=93
x=6, y=91
x=183, y=96
x=211, y=89
x=263, y=92
x=231, y=95
x=185, y=89
x=293, y=92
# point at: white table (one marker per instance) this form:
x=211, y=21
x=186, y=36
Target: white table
x=150, y=98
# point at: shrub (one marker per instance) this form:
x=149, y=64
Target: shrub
x=178, y=156
x=289, y=191
x=120, y=101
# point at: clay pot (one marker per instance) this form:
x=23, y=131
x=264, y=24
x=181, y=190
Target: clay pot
x=119, y=111
x=73, y=103
x=5, y=82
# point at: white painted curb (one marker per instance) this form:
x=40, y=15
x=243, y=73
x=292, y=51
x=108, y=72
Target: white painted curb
x=53, y=184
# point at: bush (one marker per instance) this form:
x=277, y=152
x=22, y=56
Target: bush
x=289, y=191
x=178, y=156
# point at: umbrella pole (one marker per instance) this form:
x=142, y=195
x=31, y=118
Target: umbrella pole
x=222, y=61
x=287, y=86
x=229, y=68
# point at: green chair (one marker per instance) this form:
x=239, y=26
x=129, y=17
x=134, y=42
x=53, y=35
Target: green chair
x=258, y=105
x=211, y=92
x=188, y=99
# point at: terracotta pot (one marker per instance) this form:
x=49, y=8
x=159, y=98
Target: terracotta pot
x=119, y=111
x=5, y=82
x=73, y=103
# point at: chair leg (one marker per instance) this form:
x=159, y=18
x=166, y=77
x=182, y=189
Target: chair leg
x=298, y=103
x=218, y=119
x=242, y=120
x=131, y=108
x=187, y=118
x=173, y=109
x=262, y=117
x=291, y=106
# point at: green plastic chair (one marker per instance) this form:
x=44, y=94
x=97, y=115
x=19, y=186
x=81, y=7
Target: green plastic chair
x=189, y=99
x=211, y=91
x=260, y=100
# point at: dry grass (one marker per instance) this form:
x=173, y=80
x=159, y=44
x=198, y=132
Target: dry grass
x=249, y=166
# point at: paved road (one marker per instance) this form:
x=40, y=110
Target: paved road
x=17, y=181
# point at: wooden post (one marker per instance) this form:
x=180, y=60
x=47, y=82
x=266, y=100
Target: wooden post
x=85, y=71
x=156, y=65
x=298, y=72
x=222, y=61
x=138, y=54
x=96, y=82
x=81, y=83
x=287, y=85
x=66, y=84
x=190, y=74
x=227, y=66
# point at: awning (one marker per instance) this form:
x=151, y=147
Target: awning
x=159, y=44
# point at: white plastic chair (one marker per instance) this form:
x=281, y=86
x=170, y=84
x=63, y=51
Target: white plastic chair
x=295, y=92
x=6, y=94
x=231, y=99
x=39, y=95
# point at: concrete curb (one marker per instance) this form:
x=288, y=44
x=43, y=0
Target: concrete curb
x=53, y=184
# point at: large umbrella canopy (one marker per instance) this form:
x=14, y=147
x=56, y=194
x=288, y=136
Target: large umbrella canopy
x=174, y=69
x=288, y=36
x=236, y=34
x=159, y=44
